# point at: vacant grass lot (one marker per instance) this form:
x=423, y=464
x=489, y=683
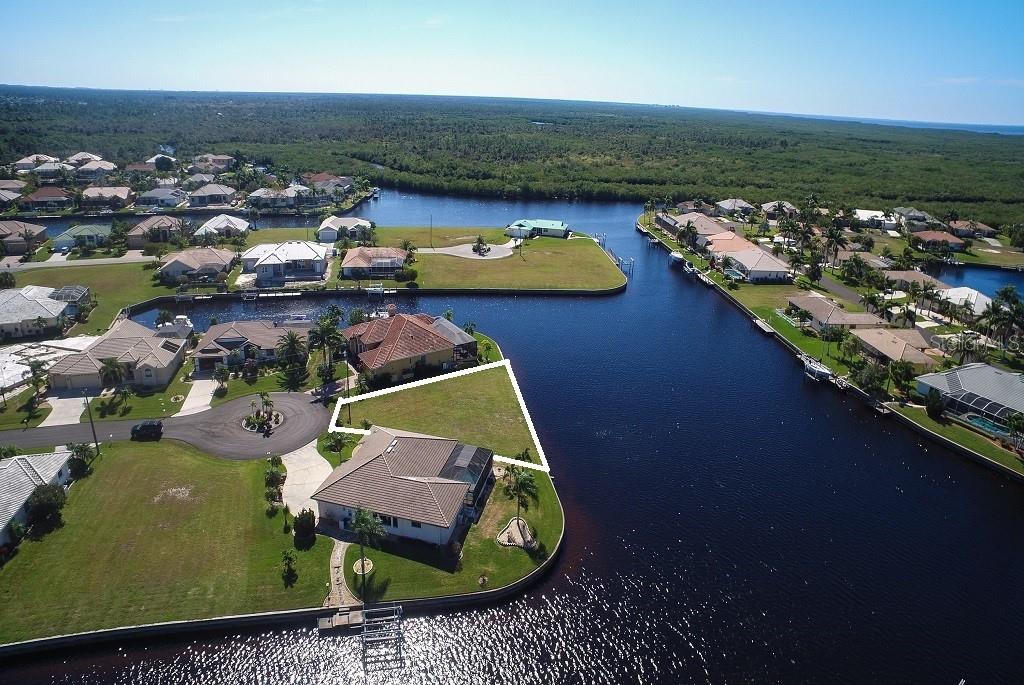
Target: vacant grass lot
x=546, y=263
x=443, y=236
x=158, y=532
x=113, y=286
x=279, y=235
x=479, y=409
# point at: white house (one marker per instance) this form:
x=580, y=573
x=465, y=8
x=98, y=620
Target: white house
x=20, y=476
x=960, y=296
x=420, y=487
x=733, y=205
x=290, y=260
x=32, y=161
x=876, y=219
x=80, y=158
x=23, y=309
x=95, y=170
x=758, y=266
x=334, y=227
x=223, y=224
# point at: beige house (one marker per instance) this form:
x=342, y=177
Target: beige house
x=149, y=358
x=195, y=263
x=107, y=196
x=827, y=314
x=905, y=344
x=153, y=229
x=393, y=348
x=18, y=236
x=373, y=262
x=234, y=342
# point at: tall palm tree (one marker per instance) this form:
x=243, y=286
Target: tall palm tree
x=521, y=486
x=335, y=313
x=292, y=349
x=370, y=531
x=266, y=404
x=835, y=240
x=112, y=372
x=325, y=334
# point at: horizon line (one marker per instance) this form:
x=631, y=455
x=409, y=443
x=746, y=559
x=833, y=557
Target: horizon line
x=861, y=119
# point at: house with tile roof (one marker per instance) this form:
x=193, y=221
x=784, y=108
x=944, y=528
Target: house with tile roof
x=19, y=237
x=334, y=228
x=47, y=197
x=397, y=347
x=234, y=342
x=95, y=170
x=373, y=262
x=212, y=194
x=704, y=225
x=826, y=314
x=162, y=197
x=733, y=206
x=779, y=209
x=935, y=240
x=292, y=260
x=149, y=358
x=80, y=158
x=420, y=487
x=107, y=196
x=83, y=235
x=223, y=225
x=895, y=345
x=969, y=228
x=758, y=266
x=153, y=229
x=22, y=310
x=195, y=263
x=32, y=161
x=20, y=476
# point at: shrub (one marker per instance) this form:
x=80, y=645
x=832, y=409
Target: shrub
x=44, y=507
x=304, y=524
x=79, y=468
x=933, y=404
x=274, y=478
x=406, y=274
x=275, y=461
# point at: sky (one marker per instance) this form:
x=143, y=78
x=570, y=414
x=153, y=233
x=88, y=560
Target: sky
x=944, y=61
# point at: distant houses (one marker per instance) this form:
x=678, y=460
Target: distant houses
x=733, y=206
x=162, y=197
x=19, y=237
x=223, y=225
x=420, y=487
x=88, y=236
x=535, y=228
x=107, y=196
x=212, y=194
x=937, y=240
x=47, y=197
x=333, y=228
x=94, y=171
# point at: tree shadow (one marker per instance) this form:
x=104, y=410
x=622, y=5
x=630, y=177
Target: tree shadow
x=294, y=378
x=38, y=530
x=289, y=576
x=371, y=589
x=305, y=543
x=422, y=552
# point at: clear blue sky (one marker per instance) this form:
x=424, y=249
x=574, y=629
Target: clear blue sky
x=948, y=60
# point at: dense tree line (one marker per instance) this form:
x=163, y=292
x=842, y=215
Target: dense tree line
x=528, y=148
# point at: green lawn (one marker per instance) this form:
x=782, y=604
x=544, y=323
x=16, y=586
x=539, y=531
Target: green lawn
x=443, y=236
x=14, y=412
x=810, y=344
x=480, y=409
x=336, y=458
x=279, y=235
x=143, y=404
x=964, y=436
x=273, y=381
x=546, y=263
x=159, y=532
x=404, y=570
x=486, y=357
x=113, y=286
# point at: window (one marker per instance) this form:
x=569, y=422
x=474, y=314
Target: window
x=388, y=521
x=416, y=524
x=149, y=373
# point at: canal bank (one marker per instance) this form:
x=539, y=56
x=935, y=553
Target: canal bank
x=729, y=520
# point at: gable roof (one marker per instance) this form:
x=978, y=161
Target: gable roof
x=828, y=312
x=288, y=251
x=126, y=341
x=756, y=259
x=992, y=390
x=198, y=257
x=21, y=475
x=261, y=333
x=407, y=475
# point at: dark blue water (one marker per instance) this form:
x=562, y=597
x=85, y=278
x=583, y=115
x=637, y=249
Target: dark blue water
x=728, y=521
x=983, y=280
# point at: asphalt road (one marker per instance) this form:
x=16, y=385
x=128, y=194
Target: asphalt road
x=217, y=431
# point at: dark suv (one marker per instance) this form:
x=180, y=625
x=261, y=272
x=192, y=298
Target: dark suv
x=148, y=430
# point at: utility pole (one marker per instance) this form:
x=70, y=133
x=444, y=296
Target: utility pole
x=92, y=425
x=431, y=230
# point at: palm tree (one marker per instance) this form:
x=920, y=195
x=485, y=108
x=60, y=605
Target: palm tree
x=409, y=247
x=112, y=372
x=872, y=301
x=521, y=486
x=292, y=349
x=335, y=314
x=266, y=403
x=835, y=240
x=370, y=531
x=1015, y=424
x=325, y=334
x=36, y=374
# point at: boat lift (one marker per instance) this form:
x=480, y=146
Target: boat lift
x=382, y=638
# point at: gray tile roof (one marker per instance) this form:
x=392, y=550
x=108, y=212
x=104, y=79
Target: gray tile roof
x=22, y=474
x=29, y=303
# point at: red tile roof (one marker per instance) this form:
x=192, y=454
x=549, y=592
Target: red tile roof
x=402, y=336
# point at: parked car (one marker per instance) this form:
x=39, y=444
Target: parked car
x=148, y=430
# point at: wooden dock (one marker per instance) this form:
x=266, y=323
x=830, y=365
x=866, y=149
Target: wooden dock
x=763, y=325
x=341, y=620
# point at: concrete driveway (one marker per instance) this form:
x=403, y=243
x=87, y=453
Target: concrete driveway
x=306, y=471
x=198, y=398
x=64, y=411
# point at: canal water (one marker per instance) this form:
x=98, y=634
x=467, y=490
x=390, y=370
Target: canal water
x=728, y=520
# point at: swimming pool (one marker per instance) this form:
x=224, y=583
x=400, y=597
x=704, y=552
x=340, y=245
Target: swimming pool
x=986, y=425
x=734, y=274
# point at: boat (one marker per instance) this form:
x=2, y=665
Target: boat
x=676, y=258
x=653, y=240
x=639, y=228
x=814, y=369
x=250, y=295
x=842, y=383
x=688, y=267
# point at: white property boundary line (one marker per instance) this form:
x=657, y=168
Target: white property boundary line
x=335, y=428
